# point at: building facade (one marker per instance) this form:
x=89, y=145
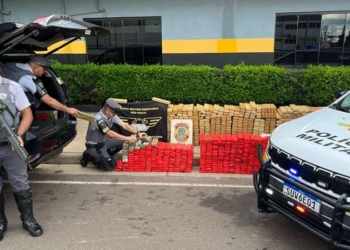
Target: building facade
x=208, y=32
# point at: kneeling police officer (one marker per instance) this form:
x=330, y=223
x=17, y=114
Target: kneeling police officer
x=101, y=141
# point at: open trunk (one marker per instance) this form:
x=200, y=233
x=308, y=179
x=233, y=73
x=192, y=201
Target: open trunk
x=51, y=129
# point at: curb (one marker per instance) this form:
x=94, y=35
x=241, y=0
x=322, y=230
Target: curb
x=74, y=158
x=90, y=170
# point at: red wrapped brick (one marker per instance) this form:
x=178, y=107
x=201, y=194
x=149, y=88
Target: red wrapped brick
x=226, y=153
x=164, y=157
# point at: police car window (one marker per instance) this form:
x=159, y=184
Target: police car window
x=345, y=102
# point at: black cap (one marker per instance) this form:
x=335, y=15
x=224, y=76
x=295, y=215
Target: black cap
x=39, y=60
x=112, y=104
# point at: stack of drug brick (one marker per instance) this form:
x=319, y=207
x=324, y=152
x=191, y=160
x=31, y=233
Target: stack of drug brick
x=268, y=113
x=254, y=118
x=227, y=119
x=215, y=119
x=291, y=112
x=156, y=157
x=249, y=117
x=244, y=122
x=227, y=153
x=204, y=121
x=216, y=116
x=259, y=122
x=205, y=115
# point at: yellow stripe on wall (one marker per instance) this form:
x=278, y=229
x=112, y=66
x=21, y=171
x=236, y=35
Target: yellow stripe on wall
x=237, y=45
x=188, y=46
x=226, y=45
x=76, y=47
x=255, y=45
x=234, y=45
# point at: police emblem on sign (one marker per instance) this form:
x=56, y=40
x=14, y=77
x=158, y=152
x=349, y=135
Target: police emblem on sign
x=181, y=132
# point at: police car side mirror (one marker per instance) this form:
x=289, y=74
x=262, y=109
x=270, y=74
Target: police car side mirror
x=339, y=93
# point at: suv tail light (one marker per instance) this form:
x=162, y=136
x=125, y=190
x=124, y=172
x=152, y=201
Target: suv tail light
x=51, y=115
x=49, y=144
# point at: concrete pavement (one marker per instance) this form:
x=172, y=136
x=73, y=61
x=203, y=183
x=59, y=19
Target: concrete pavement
x=87, y=212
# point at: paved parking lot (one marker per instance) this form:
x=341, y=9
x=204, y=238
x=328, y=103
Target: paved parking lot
x=81, y=210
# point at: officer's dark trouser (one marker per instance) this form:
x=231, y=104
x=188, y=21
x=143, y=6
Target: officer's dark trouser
x=16, y=170
x=101, y=156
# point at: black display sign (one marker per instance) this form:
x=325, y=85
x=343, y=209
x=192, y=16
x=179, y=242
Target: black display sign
x=148, y=116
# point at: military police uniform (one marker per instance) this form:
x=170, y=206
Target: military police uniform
x=13, y=96
x=98, y=145
x=23, y=74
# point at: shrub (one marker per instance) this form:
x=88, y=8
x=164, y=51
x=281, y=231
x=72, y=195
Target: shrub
x=314, y=86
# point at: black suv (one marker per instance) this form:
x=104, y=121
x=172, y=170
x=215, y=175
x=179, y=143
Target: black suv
x=51, y=130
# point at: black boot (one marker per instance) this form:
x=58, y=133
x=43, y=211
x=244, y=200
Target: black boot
x=24, y=202
x=3, y=219
x=84, y=159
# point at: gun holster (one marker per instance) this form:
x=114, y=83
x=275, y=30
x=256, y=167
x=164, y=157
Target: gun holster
x=96, y=146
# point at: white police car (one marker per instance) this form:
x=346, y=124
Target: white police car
x=305, y=172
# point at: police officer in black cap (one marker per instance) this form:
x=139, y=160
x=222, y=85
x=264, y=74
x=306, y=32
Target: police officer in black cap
x=26, y=74
x=100, y=139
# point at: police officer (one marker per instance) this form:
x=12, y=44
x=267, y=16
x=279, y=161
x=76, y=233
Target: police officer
x=101, y=140
x=18, y=106
x=27, y=76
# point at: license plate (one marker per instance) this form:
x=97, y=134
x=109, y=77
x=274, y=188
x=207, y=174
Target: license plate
x=301, y=197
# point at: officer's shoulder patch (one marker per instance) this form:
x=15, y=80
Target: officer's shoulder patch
x=103, y=126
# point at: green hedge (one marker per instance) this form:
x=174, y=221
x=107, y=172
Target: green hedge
x=314, y=86
x=263, y=84
x=318, y=83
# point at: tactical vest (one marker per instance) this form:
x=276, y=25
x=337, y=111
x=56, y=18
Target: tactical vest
x=14, y=73
x=6, y=98
x=94, y=134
